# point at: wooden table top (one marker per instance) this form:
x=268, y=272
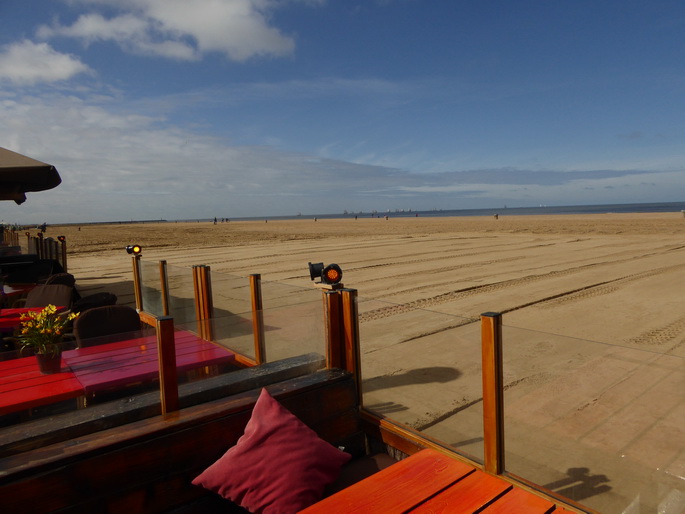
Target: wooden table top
x=432, y=482
x=22, y=386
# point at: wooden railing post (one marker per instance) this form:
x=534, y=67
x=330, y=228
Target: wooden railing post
x=168, y=374
x=350, y=319
x=164, y=282
x=137, y=282
x=257, y=318
x=204, y=307
x=63, y=249
x=335, y=349
x=493, y=392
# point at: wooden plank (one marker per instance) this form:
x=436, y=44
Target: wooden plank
x=518, y=500
x=397, y=488
x=470, y=494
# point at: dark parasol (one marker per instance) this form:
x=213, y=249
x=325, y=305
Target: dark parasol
x=20, y=174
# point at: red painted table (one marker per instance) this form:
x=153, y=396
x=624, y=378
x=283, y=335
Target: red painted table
x=96, y=368
x=431, y=482
x=131, y=361
x=11, y=318
x=22, y=386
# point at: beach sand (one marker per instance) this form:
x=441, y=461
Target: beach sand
x=593, y=314
x=613, y=278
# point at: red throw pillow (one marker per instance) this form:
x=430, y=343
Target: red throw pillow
x=278, y=465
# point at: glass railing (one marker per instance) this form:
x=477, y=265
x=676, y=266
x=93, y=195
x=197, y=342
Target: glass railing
x=181, y=294
x=291, y=321
x=117, y=376
x=423, y=369
x=150, y=286
x=597, y=423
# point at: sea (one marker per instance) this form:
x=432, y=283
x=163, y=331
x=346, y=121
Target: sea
x=441, y=213
x=508, y=211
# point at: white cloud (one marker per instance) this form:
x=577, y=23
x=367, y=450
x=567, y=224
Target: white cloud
x=30, y=63
x=182, y=29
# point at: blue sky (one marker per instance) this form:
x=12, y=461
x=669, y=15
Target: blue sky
x=175, y=109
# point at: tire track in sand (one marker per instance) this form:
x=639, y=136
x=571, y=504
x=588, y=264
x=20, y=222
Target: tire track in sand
x=604, y=287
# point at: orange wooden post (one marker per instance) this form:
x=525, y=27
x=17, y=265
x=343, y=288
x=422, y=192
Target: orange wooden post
x=164, y=281
x=493, y=392
x=350, y=318
x=204, y=308
x=257, y=318
x=168, y=374
x=137, y=282
x=335, y=355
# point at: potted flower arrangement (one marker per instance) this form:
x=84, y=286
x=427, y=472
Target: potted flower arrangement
x=43, y=331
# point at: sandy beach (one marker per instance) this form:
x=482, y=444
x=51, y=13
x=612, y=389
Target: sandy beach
x=593, y=314
x=612, y=278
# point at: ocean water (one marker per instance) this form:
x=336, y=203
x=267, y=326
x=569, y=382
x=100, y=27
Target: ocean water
x=508, y=211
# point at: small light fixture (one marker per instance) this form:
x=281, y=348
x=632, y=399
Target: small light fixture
x=61, y=239
x=331, y=274
x=134, y=249
x=28, y=233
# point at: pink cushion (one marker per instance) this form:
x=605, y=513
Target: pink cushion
x=278, y=465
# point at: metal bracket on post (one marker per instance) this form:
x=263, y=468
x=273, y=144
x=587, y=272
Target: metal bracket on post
x=168, y=374
x=493, y=392
x=257, y=318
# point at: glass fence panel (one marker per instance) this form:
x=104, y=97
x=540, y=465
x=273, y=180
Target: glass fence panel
x=423, y=369
x=288, y=331
x=181, y=294
x=151, y=287
x=275, y=294
x=230, y=294
x=600, y=424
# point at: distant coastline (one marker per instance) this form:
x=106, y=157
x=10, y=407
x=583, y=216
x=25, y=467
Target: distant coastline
x=440, y=213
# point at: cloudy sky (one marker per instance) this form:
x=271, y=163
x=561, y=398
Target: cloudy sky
x=176, y=109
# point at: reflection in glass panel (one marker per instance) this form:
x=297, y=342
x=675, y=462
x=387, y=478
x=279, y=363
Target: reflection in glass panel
x=422, y=369
x=181, y=294
x=151, y=287
x=230, y=295
x=601, y=424
x=288, y=331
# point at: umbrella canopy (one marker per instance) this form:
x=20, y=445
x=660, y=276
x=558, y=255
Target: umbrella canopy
x=20, y=174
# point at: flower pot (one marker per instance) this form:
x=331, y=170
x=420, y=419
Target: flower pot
x=49, y=364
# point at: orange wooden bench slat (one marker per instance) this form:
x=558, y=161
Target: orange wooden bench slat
x=519, y=500
x=471, y=493
x=398, y=487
